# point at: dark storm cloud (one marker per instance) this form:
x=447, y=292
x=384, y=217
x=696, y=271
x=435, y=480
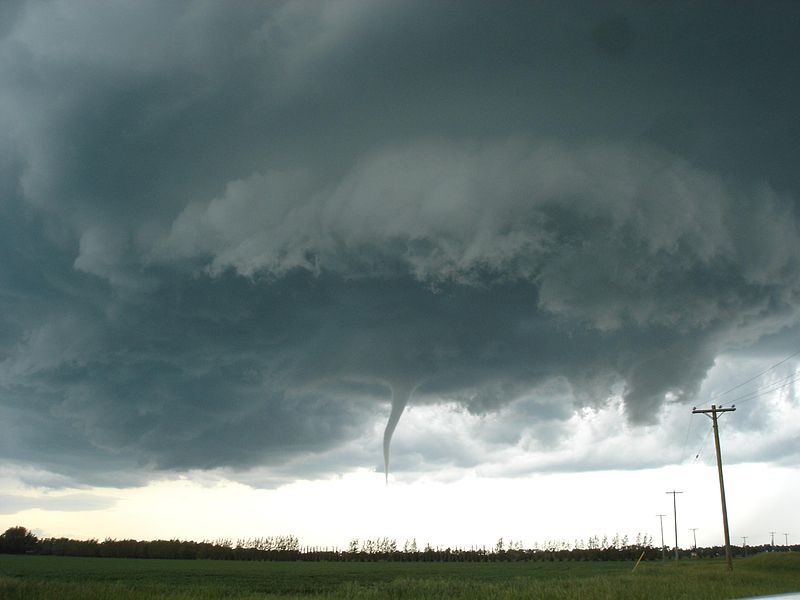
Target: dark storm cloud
x=229, y=232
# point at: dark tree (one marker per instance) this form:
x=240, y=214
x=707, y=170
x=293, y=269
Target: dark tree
x=18, y=540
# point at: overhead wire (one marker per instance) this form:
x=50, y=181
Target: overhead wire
x=703, y=444
x=686, y=439
x=747, y=397
x=754, y=377
x=773, y=387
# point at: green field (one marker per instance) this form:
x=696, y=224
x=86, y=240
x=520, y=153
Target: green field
x=66, y=578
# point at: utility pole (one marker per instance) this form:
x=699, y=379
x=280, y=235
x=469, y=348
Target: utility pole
x=714, y=411
x=663, y=547
x=744, y=545
x=786, y=537
x=694, y=533
x=772, y=538
x=675, y=515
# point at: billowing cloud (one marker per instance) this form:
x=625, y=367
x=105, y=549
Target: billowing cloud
x=230, y=236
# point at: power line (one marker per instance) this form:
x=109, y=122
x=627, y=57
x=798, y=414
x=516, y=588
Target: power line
x=703, y=443
x=754, y=377
x=686, y=439
x=773, y=387
x=747, y=397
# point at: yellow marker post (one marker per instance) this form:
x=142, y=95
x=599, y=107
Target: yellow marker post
x=638, y=561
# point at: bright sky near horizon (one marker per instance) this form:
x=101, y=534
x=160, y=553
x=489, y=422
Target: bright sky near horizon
x=238, y=240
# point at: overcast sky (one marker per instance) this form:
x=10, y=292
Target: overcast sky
x=236, y=237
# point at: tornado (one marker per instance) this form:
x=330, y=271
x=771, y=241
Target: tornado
x=401, y=392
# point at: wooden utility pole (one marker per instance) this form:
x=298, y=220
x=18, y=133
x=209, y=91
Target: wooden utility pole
x=694, y=533
x=744, y=545
x=663, y=547
x=675, y=514
x=712, y=414
x=786, y=537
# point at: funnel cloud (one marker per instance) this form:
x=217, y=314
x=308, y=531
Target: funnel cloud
x=225, y=229
x=401, y=392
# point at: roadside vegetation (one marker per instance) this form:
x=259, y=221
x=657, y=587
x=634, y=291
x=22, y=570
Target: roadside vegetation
x=19, y=540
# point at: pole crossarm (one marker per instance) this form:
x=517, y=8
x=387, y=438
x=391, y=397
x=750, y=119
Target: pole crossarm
x=709, y=412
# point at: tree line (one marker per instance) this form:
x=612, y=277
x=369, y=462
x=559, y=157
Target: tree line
x=19, y=540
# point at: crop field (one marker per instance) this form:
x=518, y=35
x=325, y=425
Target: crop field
x=68, y=578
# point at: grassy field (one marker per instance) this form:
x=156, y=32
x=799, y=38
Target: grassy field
x=43, y=577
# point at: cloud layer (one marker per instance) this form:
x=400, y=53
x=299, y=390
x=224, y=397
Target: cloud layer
x=227, y=234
